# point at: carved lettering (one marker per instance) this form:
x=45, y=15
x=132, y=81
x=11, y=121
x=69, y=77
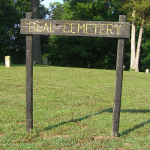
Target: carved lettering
x=76, y=28
x=45, y=27
x=117, y=27
x=72, y=27
x=102, y=28
x=37, y=27
x=81, y=27
x=108, y=29
x=33, y=26
x=88, y=24
x=95, y=27
x=50, y=27
x=64, y=28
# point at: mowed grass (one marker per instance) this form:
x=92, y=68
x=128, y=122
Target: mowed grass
x=73, y=109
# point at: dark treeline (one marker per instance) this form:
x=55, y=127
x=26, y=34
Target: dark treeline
x=11, y=41
x=91, y=52
x=84, y=51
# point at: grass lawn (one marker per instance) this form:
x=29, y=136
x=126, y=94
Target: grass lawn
x=73, y=109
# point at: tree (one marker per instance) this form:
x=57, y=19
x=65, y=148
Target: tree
x=138, y=14
x=36, y=38
x=44, y=12
x=84, y=51
x=56, y=10
x=145, y=56
x=11, y=41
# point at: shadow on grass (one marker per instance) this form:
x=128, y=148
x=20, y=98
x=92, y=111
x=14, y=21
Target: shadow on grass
x=135, y=127
x=78, y=119
x=109, y=110
x=135, y=110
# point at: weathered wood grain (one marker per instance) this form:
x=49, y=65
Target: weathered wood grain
x=75, y=28
x=29, y=81
x=118, y=89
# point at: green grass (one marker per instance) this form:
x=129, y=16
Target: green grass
x=73, y=109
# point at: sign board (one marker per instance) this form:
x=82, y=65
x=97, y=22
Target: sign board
x=76, y=28
x=120, y=30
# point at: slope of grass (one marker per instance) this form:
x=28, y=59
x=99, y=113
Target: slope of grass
x=73, y=109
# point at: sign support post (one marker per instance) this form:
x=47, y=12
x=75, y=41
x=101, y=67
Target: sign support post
x=29, y=80
x=118, y=89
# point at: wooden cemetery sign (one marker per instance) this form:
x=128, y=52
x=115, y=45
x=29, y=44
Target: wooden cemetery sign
x=75, y=28
x=120, y=30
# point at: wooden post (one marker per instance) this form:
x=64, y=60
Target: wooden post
x=118, y=89
x=29, y=80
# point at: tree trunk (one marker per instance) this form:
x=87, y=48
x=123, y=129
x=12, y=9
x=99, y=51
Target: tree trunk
x=36, y=38
x=139, y=48
x=132, y=59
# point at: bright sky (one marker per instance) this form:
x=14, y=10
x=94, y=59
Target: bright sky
x=46, y=2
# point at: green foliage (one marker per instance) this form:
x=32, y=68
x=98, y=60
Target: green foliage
x=94, y=11
x=141, y=7
x=11, y=41
x=145, y=56
x=146, y=62
x=72, y=51
x=83, y=51
x=44, y=12
x=56, y=11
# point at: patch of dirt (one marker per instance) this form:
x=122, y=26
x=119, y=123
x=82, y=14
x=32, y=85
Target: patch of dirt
x=45, y=135
x=20, y=86
x=84, y=126
x=119, y=148
x=1, y=135
x=127, y=144
x=63, y=136
x=99, y=137
x=21, y=123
